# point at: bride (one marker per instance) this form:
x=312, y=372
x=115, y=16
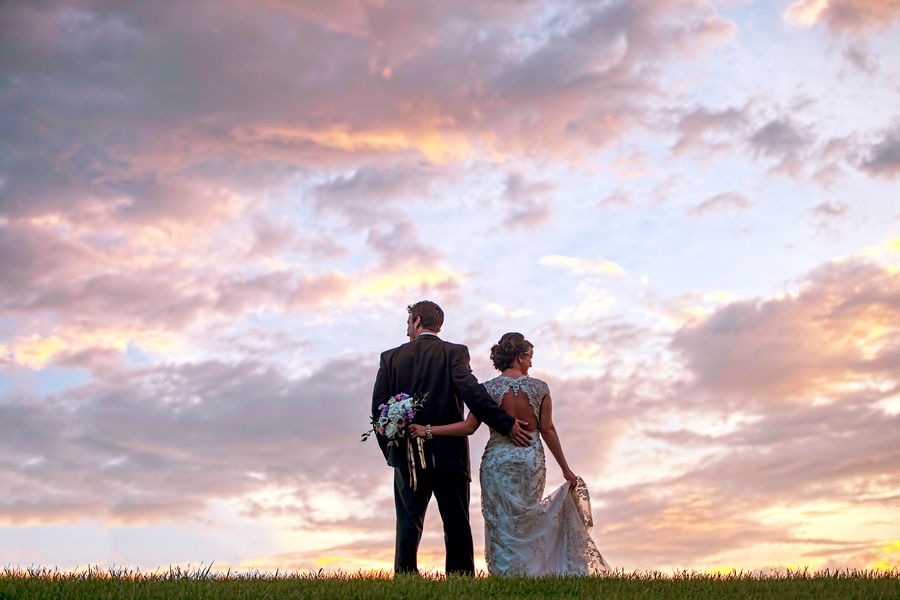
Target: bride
x=526, y=534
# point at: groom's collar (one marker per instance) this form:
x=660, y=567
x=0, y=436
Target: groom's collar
x=429, y=334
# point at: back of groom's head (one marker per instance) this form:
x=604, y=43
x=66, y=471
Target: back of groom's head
x=431, y=314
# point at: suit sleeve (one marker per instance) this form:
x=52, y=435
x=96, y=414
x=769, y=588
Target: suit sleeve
x=475, y=395
x=379, y=395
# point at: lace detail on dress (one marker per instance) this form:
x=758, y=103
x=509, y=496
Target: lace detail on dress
x=535, y=389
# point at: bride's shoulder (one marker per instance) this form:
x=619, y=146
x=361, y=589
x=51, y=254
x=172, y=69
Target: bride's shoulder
x=540, y=384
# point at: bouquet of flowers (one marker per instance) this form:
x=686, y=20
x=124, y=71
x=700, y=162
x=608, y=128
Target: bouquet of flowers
x=393, y=416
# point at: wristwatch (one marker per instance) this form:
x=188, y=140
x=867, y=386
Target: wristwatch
x=428, y=434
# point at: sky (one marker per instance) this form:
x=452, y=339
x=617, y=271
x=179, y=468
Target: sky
x=213, y=215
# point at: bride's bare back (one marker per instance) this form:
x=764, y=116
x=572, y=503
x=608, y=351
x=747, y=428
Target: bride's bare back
x=521, y=397
x=517, y=406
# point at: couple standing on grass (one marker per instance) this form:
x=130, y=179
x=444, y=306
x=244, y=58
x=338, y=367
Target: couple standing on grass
x=525, y=533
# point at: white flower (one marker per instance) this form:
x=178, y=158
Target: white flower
x=391, y=430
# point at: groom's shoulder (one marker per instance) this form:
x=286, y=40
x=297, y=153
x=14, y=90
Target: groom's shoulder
x=390, y=352
x=455, y=348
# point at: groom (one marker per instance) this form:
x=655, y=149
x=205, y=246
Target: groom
x=428, y=364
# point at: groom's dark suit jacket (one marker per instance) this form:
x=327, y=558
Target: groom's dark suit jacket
x=429, y=364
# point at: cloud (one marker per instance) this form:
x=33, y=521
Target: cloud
x=70, y=290
x=33, y=256
x=704, y=127
x=782, y=139
x=828, y=217
x=843, y=16
x=770, y=133
x=618, y=198
x=286, y=90
x=830, y=210
x=526, y=202
x=399, y=243
x=724, y=202
x=508, y=313
x=883, y=159
x=152, y=150
x=362, y=196
x=860, y=58
x=783, y=408
x=578, y=264
x=787, y=465
x=161, y=442
x=810, y=455
x=836, y=331
x=272, y=239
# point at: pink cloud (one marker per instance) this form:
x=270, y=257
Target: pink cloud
x=834, y=331
x=528, y=203
x=724, y=202
x=326, y=88
x=830, y=210
x=697, y=127
x=860, y=58
x=845, y=16
x=159, y=443
x=272, y=239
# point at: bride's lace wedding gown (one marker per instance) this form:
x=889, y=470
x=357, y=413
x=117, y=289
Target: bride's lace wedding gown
x=526, y=534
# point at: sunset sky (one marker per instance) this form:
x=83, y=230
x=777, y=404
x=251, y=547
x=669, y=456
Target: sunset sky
x=214, y=213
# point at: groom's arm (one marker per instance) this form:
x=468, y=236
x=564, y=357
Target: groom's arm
x=379, y=395
x=474, y=395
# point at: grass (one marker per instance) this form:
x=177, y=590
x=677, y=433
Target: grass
x=178, y=584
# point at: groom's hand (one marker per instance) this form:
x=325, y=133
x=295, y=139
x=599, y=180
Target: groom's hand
x=519, y=436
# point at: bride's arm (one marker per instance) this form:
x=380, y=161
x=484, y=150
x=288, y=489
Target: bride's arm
x=551, y=438
x=466, y=427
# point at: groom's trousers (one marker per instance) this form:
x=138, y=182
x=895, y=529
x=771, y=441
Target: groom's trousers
x=451, y=489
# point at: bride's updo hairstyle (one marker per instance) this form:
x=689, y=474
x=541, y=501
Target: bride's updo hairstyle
x=511, y=345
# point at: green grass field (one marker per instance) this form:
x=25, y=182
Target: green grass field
x=177, y=584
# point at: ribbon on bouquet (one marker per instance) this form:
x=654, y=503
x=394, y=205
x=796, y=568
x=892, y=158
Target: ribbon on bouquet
x=411, y=460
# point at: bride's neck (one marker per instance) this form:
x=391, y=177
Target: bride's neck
x=513, y=372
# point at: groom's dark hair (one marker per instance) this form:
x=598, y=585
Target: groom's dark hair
x=431, y=314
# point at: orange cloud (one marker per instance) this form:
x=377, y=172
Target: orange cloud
x=33, y=351
x=438, y=144
x=838, y=330
x=843, y=15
